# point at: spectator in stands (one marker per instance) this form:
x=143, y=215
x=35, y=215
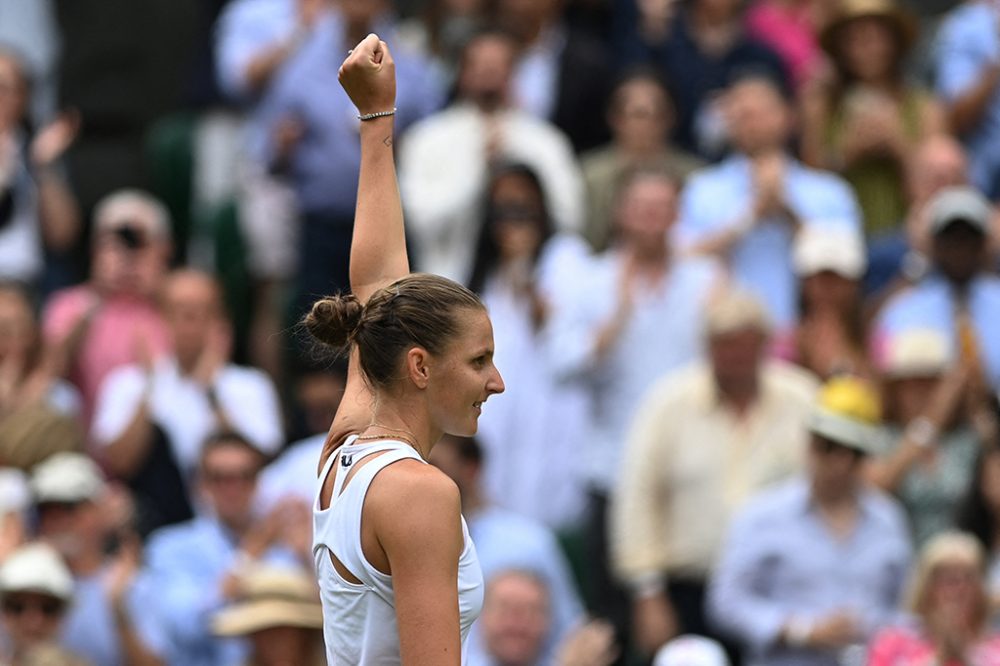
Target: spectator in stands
x=865, y=120
x=153, y=417
x=35, y=591
x=312, y=134
x=950, y=610
x=440, y=30
x=939, y=419
x=959, y=298
x=829, y=338
x=445, y=161
x=979, y=515
x=791, y=28
x=507, y=540
x=563, y=75
x=515, y=622
x=113, y=319
x=38, y=212
x=254, y=40
x=897, y=260
x=39, y=412
x=25, y=378
x=641, y=117
x=108, y=622
x=701, y=442
x=521, y=270
x=813, y=567
x=699, y=51
x=967, y=60
x=747, y=209
x=639, y=295
x=278, y=610
x=194, y=566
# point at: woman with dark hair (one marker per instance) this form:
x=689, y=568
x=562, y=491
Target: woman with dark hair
x=865, y=120
x=398, y=574
x=521, y=269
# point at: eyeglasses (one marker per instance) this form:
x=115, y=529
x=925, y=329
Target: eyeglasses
x=50, y=608
x=63, y=507
x=241, y=476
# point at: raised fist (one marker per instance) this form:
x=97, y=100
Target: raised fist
x=368, y=75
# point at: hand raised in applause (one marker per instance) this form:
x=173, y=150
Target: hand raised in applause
x=368, y=75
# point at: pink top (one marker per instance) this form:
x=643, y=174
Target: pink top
x=906, y=647
x=789, y=31
x=111, y=340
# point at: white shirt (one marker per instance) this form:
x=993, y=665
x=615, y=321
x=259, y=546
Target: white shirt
x=664, y=332
x=180, y=406
x=443, y=171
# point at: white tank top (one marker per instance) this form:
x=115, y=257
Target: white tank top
x=359, y=621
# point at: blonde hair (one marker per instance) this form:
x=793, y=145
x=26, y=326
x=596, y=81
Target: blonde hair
x=947, y=548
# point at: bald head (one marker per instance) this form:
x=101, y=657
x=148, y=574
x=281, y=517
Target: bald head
x=939, y=162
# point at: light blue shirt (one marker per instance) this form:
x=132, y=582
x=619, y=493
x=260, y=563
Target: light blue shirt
x=718, y=197
x=244, y=29
x=930, y=304
x=968, y=43
x=186, y=564
x=324, y=166
x=90, y=630
x=663, y=333
x=781, y=562
x=506, y=540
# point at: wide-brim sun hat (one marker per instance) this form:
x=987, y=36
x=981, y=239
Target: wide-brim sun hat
x=903, y=24
x=271, y=597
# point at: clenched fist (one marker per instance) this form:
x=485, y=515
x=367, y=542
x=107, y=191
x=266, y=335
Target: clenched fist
x=368, y=75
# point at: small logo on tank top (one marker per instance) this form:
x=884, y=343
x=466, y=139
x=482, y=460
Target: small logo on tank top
x=347, y=461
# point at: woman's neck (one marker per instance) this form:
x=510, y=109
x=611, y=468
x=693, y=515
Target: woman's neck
x=405, y=424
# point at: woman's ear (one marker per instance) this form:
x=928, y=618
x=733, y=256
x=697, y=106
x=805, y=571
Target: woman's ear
x=418, y=366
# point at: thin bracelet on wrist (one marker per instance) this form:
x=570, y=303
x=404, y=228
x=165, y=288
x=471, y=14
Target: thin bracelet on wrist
x=378, y=114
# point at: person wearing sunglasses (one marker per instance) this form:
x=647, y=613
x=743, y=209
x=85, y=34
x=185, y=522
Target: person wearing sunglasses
x=814, y=566
x=36, y=590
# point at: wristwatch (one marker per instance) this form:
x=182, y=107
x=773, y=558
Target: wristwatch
x=921, y=432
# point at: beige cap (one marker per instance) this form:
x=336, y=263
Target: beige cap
x=735, y=310
x=133, y=208
x=271, y=597
x=690, y=650
x=819, y=249
x=917, y=353
x=36, y=567
x=67, y=477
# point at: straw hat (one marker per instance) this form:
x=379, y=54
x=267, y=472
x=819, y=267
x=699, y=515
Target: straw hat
x=917, y=352
x=902, y=22
x=271, y=597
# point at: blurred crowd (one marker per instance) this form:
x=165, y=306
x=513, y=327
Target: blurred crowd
x=741, y=259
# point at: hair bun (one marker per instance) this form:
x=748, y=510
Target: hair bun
x=333, y=320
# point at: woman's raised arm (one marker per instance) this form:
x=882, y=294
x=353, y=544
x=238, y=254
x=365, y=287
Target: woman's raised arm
x=378, y=250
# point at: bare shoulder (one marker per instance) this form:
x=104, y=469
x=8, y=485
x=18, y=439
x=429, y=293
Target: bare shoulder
x=409, y=482
x=410, y=499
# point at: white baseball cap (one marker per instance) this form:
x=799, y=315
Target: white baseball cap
x=36, y=567
x=690, y=650
x=819, y=248
x=67, y=477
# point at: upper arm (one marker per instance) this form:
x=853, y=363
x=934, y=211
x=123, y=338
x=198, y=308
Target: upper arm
x=416, y=514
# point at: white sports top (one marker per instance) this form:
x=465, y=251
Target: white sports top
x=359, y=621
